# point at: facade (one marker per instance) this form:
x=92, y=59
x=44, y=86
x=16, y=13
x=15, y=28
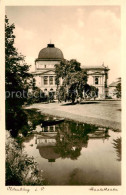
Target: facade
x=44, y=68
x=112, y=88
x=45, y=72
x=98, y=77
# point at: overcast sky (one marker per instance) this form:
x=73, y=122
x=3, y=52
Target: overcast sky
x=90, y=34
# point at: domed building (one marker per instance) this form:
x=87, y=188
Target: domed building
x=44, y=68
x=49, y=153
x=46, y=144
x=44, y=74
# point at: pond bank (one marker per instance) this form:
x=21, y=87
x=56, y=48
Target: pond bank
x=106, y=113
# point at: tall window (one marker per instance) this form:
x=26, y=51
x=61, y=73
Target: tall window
x=45, y=80
x=96, y=80
x=51, y=80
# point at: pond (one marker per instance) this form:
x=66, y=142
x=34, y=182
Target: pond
x=72, y=153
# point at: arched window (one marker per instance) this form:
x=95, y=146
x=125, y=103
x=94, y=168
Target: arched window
x=96, y=80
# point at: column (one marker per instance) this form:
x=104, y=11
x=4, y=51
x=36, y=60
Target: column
x=48, y=80
x=42, y=82
x=102, y=85
x=54, y=128
x=53, y=80
x=93, y=80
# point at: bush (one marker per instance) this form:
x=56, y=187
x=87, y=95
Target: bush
x=36, y=96
x=20, y=168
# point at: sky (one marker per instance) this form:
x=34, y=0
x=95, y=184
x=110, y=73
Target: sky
x=89, y=34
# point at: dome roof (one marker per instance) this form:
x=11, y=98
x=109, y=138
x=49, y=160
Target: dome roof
x=48, y=152
x=50, y=52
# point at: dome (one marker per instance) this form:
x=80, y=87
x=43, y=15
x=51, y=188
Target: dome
x=50, y=52
x=48, y=153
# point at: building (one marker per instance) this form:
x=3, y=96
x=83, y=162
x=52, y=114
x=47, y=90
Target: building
x=98, y=77
x=44, y=68
x=46, y=144
x=45, y=72
x=112, y=89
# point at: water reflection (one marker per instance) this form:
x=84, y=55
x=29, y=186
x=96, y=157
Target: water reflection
x=17, y=121
x=75, y=177
x=117, y=145
x=82, y=154
x=46, y=144
x=24, y=122
x=67, y=139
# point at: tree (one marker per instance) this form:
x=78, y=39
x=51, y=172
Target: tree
x=74, y=80
x=90, y=91
x=17, y=78
x=118, y=88
x=66, y=67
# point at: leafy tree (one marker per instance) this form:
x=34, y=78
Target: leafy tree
x=118, y=88
x=66, y=67
x=74, y=80
x=17, y=78
x=90, y=91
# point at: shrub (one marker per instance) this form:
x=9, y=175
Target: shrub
x=20, y=168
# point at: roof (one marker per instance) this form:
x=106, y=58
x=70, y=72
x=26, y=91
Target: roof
x=50, y=53
x=113, y=84
x=41, y=72
x=90, y=67
x=48, y=152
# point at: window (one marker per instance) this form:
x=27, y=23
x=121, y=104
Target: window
x=45, y=80
x=51, y=80
x=46, y=129
x=51, y=129
x=45, y=66
x=96, y=80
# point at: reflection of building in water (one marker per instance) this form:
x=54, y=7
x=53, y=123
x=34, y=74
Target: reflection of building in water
x=48, y=152
x=50, y=129
x=46, y=143
x=55, y=142
x=100, y=134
